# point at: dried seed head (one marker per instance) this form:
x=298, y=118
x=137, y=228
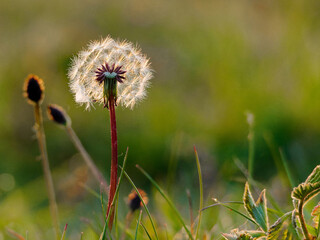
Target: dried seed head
x=33, y=89
x=89, y=69
x=135, y=201
x=58, y=115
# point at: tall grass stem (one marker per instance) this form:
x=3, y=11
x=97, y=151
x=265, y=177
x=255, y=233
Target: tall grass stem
x=137, y=227
x=175, y=210
x=251, y=151
x=287, y=169
x=86, y=157
x=190, y=210
x=46, y=169
x=200, y=191
x=143, y=203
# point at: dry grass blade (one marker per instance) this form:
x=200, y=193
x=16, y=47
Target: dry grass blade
x=14, y=234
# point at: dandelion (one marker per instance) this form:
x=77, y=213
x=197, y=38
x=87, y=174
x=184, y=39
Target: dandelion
x=33, y=91
x=110, y=59
x=58, y=115
x=110, y=72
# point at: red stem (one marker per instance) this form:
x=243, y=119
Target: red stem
x=114, y=159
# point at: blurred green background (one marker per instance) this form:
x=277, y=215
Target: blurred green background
x=213, y=61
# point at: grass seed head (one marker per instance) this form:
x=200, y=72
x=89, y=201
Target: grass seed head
x=58, y=115
x=134, y=200
x=33, y=89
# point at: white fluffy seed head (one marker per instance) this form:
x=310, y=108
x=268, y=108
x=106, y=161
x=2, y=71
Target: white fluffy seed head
x=87, y=89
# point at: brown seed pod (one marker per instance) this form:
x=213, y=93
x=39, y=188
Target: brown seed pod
x=33, y=89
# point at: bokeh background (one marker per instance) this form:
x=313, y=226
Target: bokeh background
x=214, y=61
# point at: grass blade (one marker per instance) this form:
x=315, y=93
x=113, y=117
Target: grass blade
x=230, y=208
x=14, y=234
x=167, y=199
x=146, y=231
x=102, y=204
x=90, y=190
x=250, y=120
x=318, y=228
x=138, y=223
x=201, y=191
x=287, y=169
x=105, y=229
x=190, y=210
x=64, y=232
x=144, y=205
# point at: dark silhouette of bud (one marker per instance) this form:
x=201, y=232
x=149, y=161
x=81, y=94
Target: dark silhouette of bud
x=33, y=89
x=135, y=201
x=58, y=115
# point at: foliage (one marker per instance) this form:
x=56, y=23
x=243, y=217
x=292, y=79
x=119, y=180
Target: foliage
x=286, y=227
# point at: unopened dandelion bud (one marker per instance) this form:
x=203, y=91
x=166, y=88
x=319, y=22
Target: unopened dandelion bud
x=58, y=115
x=134, y=200
x=33, y=89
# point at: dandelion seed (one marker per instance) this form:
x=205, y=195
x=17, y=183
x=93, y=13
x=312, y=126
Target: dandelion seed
x=109, y=59
x=33, y=89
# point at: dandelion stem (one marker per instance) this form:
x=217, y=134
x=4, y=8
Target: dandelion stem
x=46, y=168
x=114, y=158
x=86, y=157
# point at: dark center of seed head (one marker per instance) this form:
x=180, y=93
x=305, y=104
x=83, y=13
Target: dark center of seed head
x=57, y=116
x=135, y=203
x=34, y=90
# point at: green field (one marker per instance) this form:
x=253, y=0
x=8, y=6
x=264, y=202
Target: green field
x=214, y=62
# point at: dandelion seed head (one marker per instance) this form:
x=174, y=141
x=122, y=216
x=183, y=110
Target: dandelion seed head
x=83, y=72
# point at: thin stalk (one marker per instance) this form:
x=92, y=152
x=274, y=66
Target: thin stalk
x=190, y=211
x=175, y=210
x=116, y=198
x=46, y=169
x=86, y=157
x=201, y=191
x=114, y=158
x=138, y=223
x=146, y=231
x=127, y=224
x=251, y=151
x=230, y=208
x=144, y=205
x=64, y=232
x=303, y=223
x=287, y=169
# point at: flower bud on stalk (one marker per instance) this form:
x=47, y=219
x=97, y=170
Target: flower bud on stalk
x=59, y=116
x=33, y=91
